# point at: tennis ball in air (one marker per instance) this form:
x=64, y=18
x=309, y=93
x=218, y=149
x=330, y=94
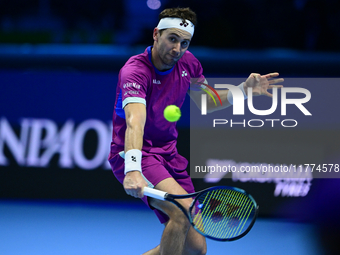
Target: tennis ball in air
x=172, y=113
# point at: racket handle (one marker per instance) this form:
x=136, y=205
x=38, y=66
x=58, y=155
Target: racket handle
x=155, y=193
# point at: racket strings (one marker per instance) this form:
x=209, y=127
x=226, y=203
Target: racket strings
x=227, y=210
x=223, y=213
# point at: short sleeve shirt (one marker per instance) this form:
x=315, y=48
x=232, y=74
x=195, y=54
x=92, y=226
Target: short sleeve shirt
x=140, y=82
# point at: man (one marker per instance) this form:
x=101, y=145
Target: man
x=143, y=149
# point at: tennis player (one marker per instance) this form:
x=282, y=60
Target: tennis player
x=143, y=148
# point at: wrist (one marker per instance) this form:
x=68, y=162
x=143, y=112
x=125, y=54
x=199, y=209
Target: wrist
x=230, y=95
x=132, y=172
x=133, y=161
x=241, y=86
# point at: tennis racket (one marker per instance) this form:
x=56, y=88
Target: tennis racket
x=221, y=213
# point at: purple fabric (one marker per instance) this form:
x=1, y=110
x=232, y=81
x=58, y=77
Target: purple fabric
x=139, y=81
x=155, y=169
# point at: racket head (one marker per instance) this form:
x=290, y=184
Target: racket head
x=223, y=213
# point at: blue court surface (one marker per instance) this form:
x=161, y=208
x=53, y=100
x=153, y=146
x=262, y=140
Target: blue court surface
x=72, y=228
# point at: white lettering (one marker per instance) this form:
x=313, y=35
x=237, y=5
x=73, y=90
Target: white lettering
x=61, y=143
x=298, y=102
x=39, y=141
x=17, y=146
x=219, y=121
x=103, y=141
x=262, y=112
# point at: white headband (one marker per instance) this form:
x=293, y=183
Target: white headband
x=176, y=23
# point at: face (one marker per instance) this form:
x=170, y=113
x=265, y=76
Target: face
x=170, y=46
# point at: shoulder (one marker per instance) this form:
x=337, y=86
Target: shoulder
x=191, y=63
x=189, y=59
x=188, y=56
x=138, y=63
x=138, y=67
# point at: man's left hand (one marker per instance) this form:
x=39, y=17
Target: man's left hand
x=261, y=83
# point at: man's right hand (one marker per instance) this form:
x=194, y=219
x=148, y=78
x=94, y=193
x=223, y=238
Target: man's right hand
x=134, y=184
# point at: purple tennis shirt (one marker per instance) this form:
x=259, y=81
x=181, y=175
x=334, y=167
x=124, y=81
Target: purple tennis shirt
x=140, y=82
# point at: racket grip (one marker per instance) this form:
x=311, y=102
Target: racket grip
x=155, y=193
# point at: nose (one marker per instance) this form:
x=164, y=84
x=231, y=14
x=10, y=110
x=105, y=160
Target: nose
x=177, y=49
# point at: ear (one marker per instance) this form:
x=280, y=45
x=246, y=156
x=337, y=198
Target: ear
x=155, y=34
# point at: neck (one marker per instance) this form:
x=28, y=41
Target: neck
x=157, y=62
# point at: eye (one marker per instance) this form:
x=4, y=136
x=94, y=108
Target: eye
x=172, y=39
x=185, y=44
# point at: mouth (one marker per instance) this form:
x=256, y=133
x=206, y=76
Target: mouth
x=175, y=58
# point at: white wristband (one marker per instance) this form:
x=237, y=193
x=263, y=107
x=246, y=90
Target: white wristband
x=133, y=161
x=230, y=96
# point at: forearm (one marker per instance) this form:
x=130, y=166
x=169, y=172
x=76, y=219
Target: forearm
x=227, y=96
x=214, y=102
x=259, y=86
x=133, y=137
x=133, y=181
x=211, y=106
x=135, y=122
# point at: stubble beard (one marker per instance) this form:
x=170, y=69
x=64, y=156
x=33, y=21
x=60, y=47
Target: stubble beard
x=168, y=61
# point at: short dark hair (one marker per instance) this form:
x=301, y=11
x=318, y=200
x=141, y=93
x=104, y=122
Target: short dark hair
x=182, y=13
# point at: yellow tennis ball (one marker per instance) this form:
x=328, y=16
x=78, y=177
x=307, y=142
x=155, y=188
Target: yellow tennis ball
x=172, y=113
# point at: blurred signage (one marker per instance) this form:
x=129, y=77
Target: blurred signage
x=39, y=140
